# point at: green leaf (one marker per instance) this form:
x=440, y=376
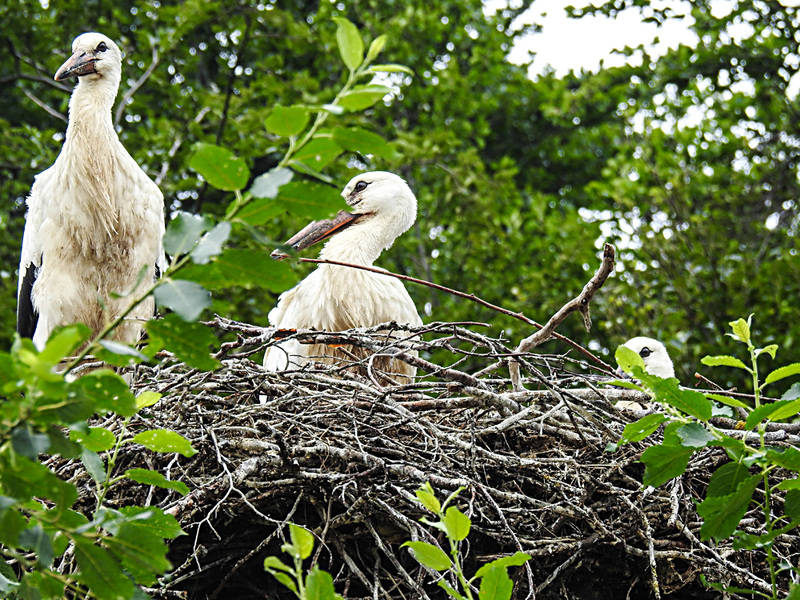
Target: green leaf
x=140, y=550
x=694, y=435
x=782, y=373
x=495, y=585
x=351, y=46
x=219, y=167
x=302, y=540
x=727, y=400
x=791, y=505
x=189, y=341
x=8, y=580
x=668, y=390
x=318, y=153
x=788, y=458
x=794, y=592
x=636, y=432
x=186, y=298
x=163, y=440
x=211, y=243
x=515, y=560
x=724, y=361
x=119, y=354
x=35, y=539
x=664, y=463
x=771, y=350
x=285, y=580
x=627, y=359
x=456, y=523
x=772, y=411
x=287, y=121
x=741, y=330
x=100, y=572
x=363, y=96
x=253, y=268
x=319, y=585
x=793, y=393
x=789, y=484
x=310, y=200
x=96, y=439
x=428, y=499
x=726, y=479
x=148, y=477
x=360, y=140
x=390, y=68
x=29, y=444
x=268, y=184
x=184, y=231
x=259, y=211
x=429, y=555
x=375, y=48
x=273, y=562
x=94, y=465
x=146, y=399
x=64, y=342
x=450, y=591
x=154, y=519
x=108, y=391
x=721, y=514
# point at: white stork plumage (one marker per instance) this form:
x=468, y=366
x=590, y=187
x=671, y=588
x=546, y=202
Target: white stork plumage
x=335, y=298
x=654, y=354
x=95, y=220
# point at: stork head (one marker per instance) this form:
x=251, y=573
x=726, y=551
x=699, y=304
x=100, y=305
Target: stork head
x=94, y=57
x=654, y=354
x=383, y=204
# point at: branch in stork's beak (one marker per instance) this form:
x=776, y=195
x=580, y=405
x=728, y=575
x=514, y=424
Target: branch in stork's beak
x=80, y=63
x=317, y=231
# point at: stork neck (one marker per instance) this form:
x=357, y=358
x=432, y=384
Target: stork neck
x=90, y=112
x=362, y=243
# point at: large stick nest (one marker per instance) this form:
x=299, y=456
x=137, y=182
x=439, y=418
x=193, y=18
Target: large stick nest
x=342, y=454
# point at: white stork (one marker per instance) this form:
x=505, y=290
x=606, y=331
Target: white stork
x=654, y=354
x=95, y=220
x=335, y=298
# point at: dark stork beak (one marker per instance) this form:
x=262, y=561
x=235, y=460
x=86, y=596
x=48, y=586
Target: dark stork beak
x=317, y=231
x=80, y=63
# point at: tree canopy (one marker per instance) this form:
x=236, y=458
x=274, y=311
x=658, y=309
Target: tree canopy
x=686, y=162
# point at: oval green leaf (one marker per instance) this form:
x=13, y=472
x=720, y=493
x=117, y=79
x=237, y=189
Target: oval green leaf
x=96, y=439
x=163, y=440
x=351, y=46
x=186, y=298
x=429, y=555
x=287, y=121
x=149, y=477
x=219, y=167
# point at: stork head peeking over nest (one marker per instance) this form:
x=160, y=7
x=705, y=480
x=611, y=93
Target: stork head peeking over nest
x=335, y=298
x=95, y=219
x=654, y=354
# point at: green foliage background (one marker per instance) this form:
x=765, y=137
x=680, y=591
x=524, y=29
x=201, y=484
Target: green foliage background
x=681, y=162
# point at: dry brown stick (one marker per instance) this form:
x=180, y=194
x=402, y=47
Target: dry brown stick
x=471, y=297
x=580, y=303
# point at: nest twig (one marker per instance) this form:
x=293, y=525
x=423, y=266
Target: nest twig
x=342, y=456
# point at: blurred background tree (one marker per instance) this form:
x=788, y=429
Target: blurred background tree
x=687, y=162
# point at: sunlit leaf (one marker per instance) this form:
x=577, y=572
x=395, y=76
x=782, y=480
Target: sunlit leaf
x=319, y=585
x=268, y=184
x=724, y=361
x=211, y=243
x=694, y=435
x=184, y=231
x=318, y=153
x=376, y=47
x=163, y=440
x=636, y=432
x=219, y=167
x=515, y=560
x=96, y=439
x=351, y=46
x=782, y=373
x=302, y=540
x=155, y=478
x=495, y=585
x=287, y=120
x=456, y=523
x=186, y=298
x=429, y=555
x=364, y=96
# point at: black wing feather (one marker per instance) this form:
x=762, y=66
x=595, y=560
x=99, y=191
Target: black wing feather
x=27, y=317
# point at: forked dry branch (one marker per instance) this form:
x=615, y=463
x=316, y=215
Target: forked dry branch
x=342, y=456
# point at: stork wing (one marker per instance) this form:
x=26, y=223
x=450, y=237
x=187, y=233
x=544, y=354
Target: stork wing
x=27, y=317
x=31, y=256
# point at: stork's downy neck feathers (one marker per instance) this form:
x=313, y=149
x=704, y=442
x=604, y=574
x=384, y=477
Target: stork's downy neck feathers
x=91, y=145
x=654, y=354
x=386, y=208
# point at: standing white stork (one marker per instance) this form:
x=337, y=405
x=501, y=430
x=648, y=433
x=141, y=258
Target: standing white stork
x=335, y=298
x=95, y=220
x=654, y=354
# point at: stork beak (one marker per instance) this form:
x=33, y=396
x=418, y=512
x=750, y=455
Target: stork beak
x=80, y=63
x=317, y=231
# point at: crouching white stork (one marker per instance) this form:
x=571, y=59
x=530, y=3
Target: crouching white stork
x=95, y=222
x=335, y=298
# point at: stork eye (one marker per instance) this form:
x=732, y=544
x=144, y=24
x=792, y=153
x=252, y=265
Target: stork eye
x=101, y=47
x=645, y=352
x=361, y=186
